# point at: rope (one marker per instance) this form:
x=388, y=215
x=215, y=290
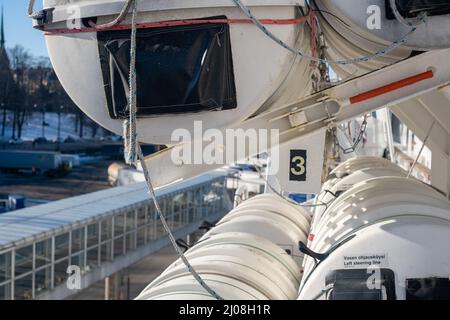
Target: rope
x=130, y=124
x=394, y=45
x=420, y=19
x=133, y=153
x=117, y=20
x=31, y=7
x=31, y=13
x=421, y=149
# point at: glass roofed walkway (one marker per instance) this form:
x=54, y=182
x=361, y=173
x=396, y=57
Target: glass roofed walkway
x=101, y=233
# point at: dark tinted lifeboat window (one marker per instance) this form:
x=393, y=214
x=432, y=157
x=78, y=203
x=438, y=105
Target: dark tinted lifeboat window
x=181, y=69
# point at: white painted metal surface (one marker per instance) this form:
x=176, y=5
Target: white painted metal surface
x=271, y=83
x=331, y=100
x=418, y=114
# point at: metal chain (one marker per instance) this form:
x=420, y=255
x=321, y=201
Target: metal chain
x=357, y=141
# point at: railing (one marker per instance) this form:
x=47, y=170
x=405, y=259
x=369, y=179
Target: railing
x=99, y=248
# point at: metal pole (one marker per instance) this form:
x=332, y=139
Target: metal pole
x=59, y=126
x=3, y=119
x=107, y=284
x=117, y=285
x=61, y=108
x=43, y=123
x=188, y=239
x=421, y=149
x=389, y=136
x=128, y=287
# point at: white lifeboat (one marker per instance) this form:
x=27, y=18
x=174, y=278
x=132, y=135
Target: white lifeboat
x=359, y=28
x=380, y=224
x=219, y=72
x=238, y=266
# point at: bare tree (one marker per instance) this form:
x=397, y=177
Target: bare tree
x=21, y=62
x=5, y=84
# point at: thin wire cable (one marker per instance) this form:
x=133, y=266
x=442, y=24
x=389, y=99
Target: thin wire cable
x=394, y=45
x=280, y=194
x=421, y=150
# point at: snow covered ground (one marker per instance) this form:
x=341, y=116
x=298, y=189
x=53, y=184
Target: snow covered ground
x=32, y=127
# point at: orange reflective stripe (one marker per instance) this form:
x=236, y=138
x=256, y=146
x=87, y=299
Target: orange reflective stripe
x=391, y=87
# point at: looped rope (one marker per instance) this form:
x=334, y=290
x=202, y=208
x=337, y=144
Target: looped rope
x=31, y=13
x=117, y=20
x=420, y=19
x=31, y=7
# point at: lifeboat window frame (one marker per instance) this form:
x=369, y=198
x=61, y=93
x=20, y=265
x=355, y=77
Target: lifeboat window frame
x=215, y=93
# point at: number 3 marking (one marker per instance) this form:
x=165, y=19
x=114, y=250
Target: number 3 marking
x=299, y=169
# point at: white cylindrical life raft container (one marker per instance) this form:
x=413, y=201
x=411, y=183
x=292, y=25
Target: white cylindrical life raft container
x=404, y=257
x=379, y=223
x=272, y=218
x=354, y=164
x=217, y=73
x=358, y=28
x=238, y=266
x=345, y=176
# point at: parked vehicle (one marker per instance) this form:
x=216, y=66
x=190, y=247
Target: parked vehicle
x=50, y=163
x=40, y=140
